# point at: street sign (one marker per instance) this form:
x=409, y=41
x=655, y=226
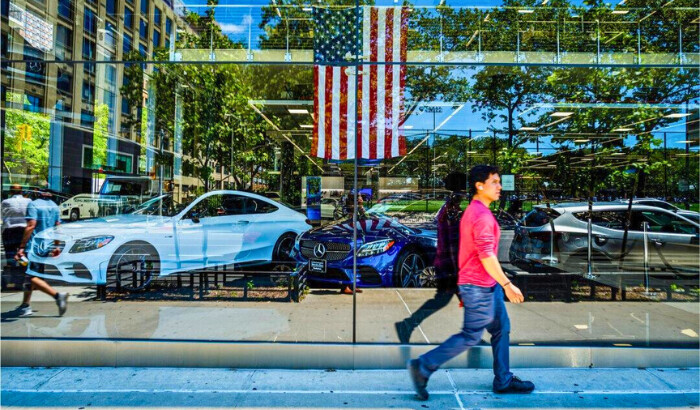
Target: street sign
x=508, y=182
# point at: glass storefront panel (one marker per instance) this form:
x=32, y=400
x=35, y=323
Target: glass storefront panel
x=205, y=185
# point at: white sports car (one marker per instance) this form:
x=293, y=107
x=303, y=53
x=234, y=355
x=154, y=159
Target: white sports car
x=163, y=237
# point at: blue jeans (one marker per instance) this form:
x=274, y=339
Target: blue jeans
x=484, y=308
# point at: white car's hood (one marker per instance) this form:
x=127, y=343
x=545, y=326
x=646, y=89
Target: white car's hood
x=112, y=225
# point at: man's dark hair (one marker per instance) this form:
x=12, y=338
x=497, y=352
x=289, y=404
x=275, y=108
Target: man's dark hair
x=455, y=181
x=480, y=173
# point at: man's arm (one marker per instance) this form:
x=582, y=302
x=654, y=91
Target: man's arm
x=493, y=267
x=485, y=245
x=31, y=224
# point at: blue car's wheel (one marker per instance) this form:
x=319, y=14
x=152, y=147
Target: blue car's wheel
x=408, y=270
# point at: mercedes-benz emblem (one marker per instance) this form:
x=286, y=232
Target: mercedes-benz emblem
x=319, y=250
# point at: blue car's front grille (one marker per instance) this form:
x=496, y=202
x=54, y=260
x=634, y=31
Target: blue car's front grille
x=335, y=251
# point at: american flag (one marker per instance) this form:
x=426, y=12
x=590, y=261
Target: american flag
x=379, y=96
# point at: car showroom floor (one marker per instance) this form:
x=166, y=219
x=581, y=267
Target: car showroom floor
x=326, y=316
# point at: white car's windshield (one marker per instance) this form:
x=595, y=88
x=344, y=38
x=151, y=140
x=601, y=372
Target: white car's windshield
x=163, y=205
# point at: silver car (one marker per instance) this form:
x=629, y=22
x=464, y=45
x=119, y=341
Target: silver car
x=692, y=215
x=657, y=238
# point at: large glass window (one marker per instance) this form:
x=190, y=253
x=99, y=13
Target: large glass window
x=111, y=7
x=590, y=116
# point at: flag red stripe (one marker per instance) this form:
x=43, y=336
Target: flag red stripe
x=373, y=84
x=402, y=81
x=343, y=134
x=388, y=80
x=329, y=110
x=314, y=140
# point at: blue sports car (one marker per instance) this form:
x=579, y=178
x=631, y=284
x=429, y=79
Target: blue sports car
x=388, y=253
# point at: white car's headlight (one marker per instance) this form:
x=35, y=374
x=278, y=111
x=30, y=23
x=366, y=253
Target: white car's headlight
x=90, y=244
x=375, y=248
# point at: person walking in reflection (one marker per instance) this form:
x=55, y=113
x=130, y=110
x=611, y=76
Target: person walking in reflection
x=42, y=213
x=14, y=211
x=446, y=258
x=361, y=214
x=482, y=285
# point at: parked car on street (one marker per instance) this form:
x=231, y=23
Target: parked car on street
x=556, y=238
x=163, y=237
x=388, y=253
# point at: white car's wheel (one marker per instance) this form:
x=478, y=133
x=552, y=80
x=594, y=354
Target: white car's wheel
x=133, y=266
x=74, y=214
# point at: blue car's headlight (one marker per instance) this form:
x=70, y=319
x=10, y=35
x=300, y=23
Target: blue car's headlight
x=90, y=244
x=375, y=248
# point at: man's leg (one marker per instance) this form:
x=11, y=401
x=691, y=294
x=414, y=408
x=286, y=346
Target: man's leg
x=478, y=314
x=40, y=284
x=500, y=341
x=405, y=327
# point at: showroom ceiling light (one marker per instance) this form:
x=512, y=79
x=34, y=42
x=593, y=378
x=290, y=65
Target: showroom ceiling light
x=622, y=129
x=306, y=126
x=527, y=128
x=620, y=11
x=677, y=115
x=561, y=114
x=526, y=11
x=581, y=141
x=298, y=110
x=408, y=127
x=686, y=142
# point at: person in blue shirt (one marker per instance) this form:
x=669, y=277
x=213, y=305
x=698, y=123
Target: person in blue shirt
x=42, y=213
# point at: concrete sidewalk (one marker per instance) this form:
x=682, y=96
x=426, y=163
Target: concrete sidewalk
x=240, y=388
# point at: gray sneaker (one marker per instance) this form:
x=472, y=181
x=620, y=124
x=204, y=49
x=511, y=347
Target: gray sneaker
x=419, y=381
x=25, y=311
x=62, y=302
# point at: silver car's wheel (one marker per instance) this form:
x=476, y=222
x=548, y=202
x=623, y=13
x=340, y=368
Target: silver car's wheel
x=409, y=269
x=133, y=267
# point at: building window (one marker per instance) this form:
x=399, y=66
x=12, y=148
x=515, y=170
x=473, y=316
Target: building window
x=64, y=82
x=88, y=92
x=110, y=40
x=144, y=7
x=126, y=110
x=86, y=119
x=167, y=43
x=156, y=39
x=90, y=21
x=64, y=42
x=143, y=30
x=88, y=49
x=65, y=9
x=35, y=68
x=143, y=50
x=111, y=74
x=128, y=18
x=126, y=46
x=32, y=103
x=157, y=16
x=168, y=26
x=111, y=7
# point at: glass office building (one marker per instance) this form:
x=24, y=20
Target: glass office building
x=207, y=161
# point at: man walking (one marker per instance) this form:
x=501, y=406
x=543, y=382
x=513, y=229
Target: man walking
x=42, y=213
x=14, y=211
x=482, y=284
